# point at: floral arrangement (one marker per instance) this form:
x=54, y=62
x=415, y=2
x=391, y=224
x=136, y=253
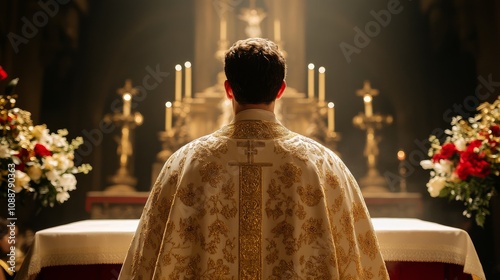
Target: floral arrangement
x=466, y=166
x=34, y=161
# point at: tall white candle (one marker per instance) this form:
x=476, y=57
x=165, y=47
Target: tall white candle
x=178, y=82
x=126, y=104
x=277, y=30
x=368, y=105
x=331, y=116
x=321, y=84
x=310, y=81
x=168, y=116
x=187, y=80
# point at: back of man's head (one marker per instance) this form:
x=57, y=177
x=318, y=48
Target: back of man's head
x=255, y=70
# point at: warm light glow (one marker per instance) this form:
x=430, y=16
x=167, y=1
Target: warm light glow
x=168, y=104
x=321, y=69
x=310, y=66
x=178, y=67
x=127, y=97
x=187, y=64
x=401, y=155
x=331, y=105
x=367, y=98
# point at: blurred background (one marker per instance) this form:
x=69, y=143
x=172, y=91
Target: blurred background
x=427, y=60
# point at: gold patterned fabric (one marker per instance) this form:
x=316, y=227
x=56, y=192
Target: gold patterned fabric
x=254, y=201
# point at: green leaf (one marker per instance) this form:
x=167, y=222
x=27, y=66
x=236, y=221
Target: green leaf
x=9, y=90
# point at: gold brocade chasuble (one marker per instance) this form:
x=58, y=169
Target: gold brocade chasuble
x=254, y=201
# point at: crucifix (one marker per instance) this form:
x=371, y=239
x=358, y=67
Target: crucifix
x=372, y=181
x=123, y=180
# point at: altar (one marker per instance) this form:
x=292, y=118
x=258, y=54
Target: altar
x=95, y=249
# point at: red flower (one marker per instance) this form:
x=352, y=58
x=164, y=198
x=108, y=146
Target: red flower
x=474, y=144
x=446, y=152
x=24, y=156
x=472, y=164
x=3, y=74
x=42, y=151
x=495, y=130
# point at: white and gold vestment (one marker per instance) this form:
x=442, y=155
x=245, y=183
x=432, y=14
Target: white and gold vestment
x=254, y=200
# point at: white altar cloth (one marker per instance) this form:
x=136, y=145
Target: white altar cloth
x=107, y=242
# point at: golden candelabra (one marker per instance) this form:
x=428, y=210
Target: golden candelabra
x=123, y=180
x=372, y=181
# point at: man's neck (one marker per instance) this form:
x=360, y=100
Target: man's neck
x=242, y=107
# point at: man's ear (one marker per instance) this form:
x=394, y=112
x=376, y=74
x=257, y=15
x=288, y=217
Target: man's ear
x=281, y=90
x=229, y=90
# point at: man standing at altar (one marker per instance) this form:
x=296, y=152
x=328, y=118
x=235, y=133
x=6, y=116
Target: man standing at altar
x=254, y=200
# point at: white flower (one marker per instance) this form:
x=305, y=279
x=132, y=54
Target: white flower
x=62, y=196
x=4, y=151
x=22, y=181
x=49, y=163
x=63, y=162
x=68, y=182
x=59, y=141
x=53, y=176
x=435, y=185
x=38, y=131
x=460, y=144
x=444, y=167
x=35, y=172
x=427, y=164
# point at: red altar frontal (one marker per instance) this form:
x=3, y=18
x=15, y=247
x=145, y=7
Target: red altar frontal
x=95, y=249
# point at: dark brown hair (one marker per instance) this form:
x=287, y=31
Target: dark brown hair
x=255, y=69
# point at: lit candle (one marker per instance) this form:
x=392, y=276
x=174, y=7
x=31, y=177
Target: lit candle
x=401, y=155
x=178, y=82
x=168, y=116
x=310, y=81
x=321, y=84
x=188, y=79
x=368, y=105
x=277, y=30
x=223, y=28
x=331, y=116
x=126, y=104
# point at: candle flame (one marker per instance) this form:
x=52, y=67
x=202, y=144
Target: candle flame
x=331, y=105
x=401, y=155
x=127, y=97
x=322, y=69
x=168, y=104
x=367, y=98
x=178, y=67
x=187, y=64
x=310, y=66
